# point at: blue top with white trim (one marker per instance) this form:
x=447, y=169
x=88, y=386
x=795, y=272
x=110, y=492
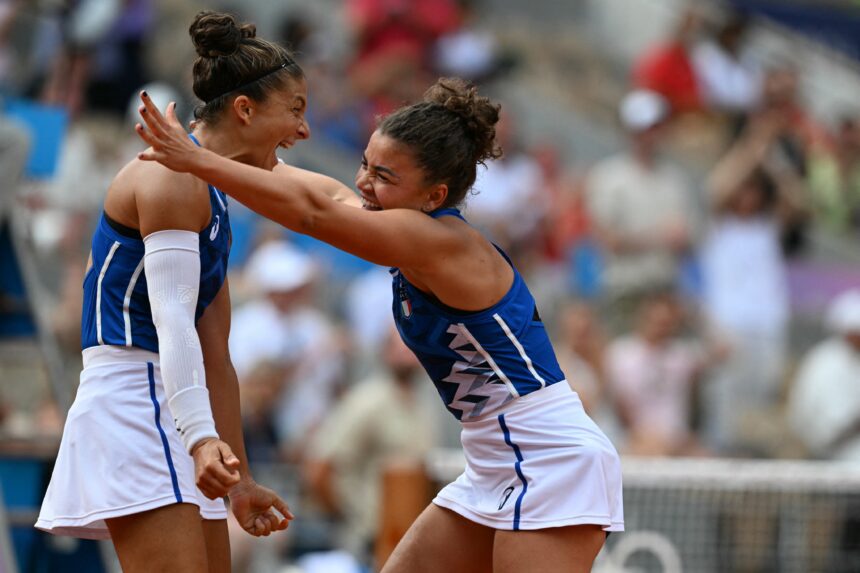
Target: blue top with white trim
x=479, y=361
x=116, y=307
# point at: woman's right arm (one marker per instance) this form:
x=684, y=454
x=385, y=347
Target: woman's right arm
x=172, y=147
x=170, y=224
x=304, y=201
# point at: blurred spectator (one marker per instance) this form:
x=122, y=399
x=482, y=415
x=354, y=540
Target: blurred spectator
x=745, y=290
x=8, y=11
x=651, y=374
x=641, y=211
x=795, y=130
x=393, y=43
x=824, y=406
x=788, y=134
x=118, y=64
x=283, y=327
x=580, y=354
x=566, y=222
x=730, y=81
x=297, y=34
x=83, y=25
x=667, y=68
x=469, y=52
x=509, y=201
x=834, y=180
x=14, y=148
x=262, y=387
x=379, y=420
x=367, y=308
x=336, y=112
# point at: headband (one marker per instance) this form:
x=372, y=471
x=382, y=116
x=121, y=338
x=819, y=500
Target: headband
x=278, y=68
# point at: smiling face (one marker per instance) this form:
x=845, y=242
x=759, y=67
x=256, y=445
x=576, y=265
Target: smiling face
x=390, y=178
x=280, y=119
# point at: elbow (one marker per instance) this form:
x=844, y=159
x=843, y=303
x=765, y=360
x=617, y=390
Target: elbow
x=307, y=223
x=171, y=320
x=311, y=215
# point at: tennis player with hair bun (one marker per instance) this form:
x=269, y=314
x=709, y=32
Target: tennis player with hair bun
x=542, y=485
x=153, y=441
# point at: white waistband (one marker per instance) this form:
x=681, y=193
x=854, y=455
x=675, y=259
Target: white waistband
x=99, y=355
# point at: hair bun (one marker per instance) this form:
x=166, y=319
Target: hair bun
x=216, y=34
x=478, y=114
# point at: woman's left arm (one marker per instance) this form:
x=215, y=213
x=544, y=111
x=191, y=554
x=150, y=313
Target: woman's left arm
x=251, y=503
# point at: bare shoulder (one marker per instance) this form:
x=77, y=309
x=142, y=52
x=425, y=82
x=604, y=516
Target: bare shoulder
x=448, y=238
x=165, y=199
x=466, y=271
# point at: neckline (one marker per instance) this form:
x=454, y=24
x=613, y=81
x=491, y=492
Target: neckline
x=442, y=211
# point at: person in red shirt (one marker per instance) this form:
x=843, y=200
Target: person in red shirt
x=393, y=43
x=668, y=70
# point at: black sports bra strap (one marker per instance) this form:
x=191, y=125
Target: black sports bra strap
x=122, y=229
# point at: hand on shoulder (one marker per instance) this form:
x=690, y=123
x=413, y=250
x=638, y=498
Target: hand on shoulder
x=166, y=199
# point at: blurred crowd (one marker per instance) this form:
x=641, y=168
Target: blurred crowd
x=667, y=288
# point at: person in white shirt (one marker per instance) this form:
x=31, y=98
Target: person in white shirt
x=652, y=374
x=284, y=327
x=641, y=210
x=824, y=405
x=745, y=289
x=729, y=79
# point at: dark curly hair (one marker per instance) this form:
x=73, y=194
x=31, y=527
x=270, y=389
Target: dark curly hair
x=451, y=131
x=233, y=61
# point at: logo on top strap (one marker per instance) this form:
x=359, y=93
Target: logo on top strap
x=215, y=227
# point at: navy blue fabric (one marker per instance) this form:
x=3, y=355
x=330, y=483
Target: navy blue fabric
x=117, y=273
x=444, y=340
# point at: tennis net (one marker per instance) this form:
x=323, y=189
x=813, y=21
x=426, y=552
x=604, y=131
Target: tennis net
x=726, y=516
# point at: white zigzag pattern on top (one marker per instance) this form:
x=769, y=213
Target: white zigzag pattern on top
x=478, y=383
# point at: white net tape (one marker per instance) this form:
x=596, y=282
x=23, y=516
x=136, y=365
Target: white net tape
x=723, y=516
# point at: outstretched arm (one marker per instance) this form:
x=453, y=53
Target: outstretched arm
x=171, y=146
x=303, y=201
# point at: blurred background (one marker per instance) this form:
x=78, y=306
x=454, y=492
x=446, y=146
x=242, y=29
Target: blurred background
x=680, y=187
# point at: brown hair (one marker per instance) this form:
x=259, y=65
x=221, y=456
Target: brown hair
x=233, y=61
x=451, y=132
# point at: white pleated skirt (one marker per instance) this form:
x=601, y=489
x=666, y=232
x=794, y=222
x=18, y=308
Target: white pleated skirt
x=120, y=453
x=540, y=463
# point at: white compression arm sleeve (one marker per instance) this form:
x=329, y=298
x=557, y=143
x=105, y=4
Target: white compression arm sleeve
x=172, y=267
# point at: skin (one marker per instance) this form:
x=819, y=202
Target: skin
x=444, y=257
x=142, y=197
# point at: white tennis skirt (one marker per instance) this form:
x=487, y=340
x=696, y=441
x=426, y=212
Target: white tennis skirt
x=120, y=453
x=541, y=463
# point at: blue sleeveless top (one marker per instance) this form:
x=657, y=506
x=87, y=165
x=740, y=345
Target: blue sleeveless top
x=479, y=361
x=116, y=307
